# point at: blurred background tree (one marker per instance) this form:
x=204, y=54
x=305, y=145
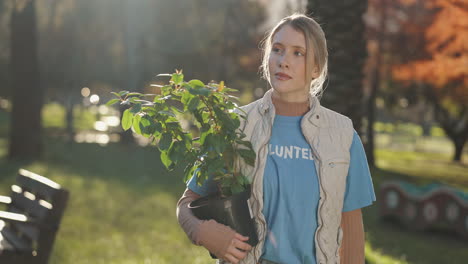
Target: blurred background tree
x=27, y=96
x=439, y=67
x=344, y=29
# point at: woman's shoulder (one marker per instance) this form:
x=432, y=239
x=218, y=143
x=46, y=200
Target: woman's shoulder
x=332, y=118
x=247, y=109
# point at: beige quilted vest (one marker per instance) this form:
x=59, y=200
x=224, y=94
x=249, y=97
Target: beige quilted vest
x=330, y=136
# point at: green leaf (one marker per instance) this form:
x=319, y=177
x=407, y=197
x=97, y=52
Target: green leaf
x=198, y=117
x=236, y=188
x=136, y=124
x=173, y=125
x=187, y=139
x=159, y=98
x=112, y=101
x=186, y=97
x=127, y=119
x=177, y=78
x=166, y=90
x=122, y=93
x=193, y=104
x=136, y=108
x=218, y=143
x=228, y=123
x=204, y=137
x=166, y=160
x=200, y=91
x=248, y=156
x=164, y=112
x=147, y=126
x=165, y=141
x=196, y=84
x=189, y=172
x=157, y=129
x=229, y=90
x=116, y=94
x=177, y=151
x=244, y=142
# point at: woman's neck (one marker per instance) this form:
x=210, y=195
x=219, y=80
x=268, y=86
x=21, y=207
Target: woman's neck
x=286, y=108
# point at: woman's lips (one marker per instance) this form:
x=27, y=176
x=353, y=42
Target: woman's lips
x=282, y=76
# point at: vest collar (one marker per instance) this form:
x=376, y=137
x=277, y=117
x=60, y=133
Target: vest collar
x=314, y=114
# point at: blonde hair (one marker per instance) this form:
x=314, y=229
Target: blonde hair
x=315, y=41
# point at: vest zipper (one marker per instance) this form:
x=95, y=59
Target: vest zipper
x=263, y=223
x=319, y=173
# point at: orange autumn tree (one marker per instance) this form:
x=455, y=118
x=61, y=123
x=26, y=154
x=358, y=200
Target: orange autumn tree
x=443, y=72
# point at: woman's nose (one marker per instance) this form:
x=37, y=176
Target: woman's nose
x=283, y=62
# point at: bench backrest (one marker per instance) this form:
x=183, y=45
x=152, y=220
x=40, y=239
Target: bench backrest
x=43, y=200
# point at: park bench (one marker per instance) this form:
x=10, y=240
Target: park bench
x=31, y=220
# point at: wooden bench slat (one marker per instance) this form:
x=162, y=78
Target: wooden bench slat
x=37, y=184
x=28, y=206
x=5, y=199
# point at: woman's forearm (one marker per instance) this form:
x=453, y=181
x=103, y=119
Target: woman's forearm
x=352, y=245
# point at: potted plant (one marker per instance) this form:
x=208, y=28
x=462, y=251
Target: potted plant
x=213, y=152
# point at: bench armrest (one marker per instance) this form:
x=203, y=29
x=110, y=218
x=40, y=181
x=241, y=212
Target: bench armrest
x=5, y=199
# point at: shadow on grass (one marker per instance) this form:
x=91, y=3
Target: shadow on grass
x=393, y=239
x=139, y=169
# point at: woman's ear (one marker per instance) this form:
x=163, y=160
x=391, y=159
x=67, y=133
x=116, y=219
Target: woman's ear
x=315, y=73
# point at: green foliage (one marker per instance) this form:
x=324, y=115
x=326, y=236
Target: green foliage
x=220, y=142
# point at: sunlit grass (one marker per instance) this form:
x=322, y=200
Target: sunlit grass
x=425, y=166
x=53, y=116
x=376, y=256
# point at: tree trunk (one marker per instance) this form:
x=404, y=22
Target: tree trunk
x=69, y=119
x=342, y=22
x=459, y=144
x=455, y=125
x=26, y=129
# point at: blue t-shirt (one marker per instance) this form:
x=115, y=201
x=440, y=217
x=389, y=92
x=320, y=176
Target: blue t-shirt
x=291, y=192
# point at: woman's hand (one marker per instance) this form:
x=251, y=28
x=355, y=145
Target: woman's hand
x=237, y=250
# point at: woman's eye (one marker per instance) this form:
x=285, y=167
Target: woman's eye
x=275, y=50
x=298, y=53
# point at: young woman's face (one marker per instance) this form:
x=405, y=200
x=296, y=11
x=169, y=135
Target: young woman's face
x=287, y=65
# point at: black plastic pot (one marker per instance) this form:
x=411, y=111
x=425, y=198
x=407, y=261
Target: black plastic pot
x=232, y=211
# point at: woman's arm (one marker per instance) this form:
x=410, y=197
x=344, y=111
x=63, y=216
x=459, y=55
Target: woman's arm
x=189, y=223
x=352, y=246
x=219, y=239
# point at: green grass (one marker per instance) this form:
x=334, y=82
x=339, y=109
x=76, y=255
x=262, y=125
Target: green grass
x=425, y=167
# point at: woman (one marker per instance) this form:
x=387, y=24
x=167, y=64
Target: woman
x=311, y=177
